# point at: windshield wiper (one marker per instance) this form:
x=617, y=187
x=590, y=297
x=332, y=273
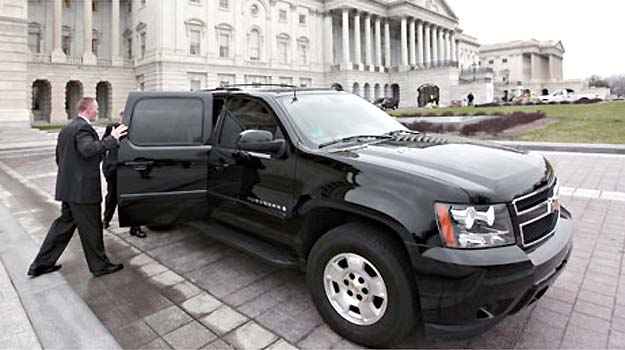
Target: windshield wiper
x=355, y=138
x=397, y=132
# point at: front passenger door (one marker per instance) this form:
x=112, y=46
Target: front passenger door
x=253, y=191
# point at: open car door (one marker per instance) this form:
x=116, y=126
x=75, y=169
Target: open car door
x=162, y=164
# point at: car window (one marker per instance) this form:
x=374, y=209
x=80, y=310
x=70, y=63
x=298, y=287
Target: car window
x=242, y=113
x=167, y=122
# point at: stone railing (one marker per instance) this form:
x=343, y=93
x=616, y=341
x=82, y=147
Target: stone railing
x=39, y=58
x=105, y=62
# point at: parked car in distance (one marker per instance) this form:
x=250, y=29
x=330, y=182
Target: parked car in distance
x=568, y=95
x=393, y=228
x=386, y=103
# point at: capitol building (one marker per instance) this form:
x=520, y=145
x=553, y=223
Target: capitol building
x=52, y=52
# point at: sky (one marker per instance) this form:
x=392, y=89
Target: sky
x=593, y=32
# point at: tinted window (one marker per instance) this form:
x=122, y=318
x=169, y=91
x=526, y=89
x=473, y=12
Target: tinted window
x=240, y=114
x=167, y=121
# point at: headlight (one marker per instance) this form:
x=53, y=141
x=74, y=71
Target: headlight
x=479, y=226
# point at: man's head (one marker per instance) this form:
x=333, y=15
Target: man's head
x=88, y=107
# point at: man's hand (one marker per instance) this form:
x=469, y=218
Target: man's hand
x=119, y=132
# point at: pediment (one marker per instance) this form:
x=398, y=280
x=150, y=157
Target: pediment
x=439, y=6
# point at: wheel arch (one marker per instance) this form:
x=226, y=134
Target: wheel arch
x=319, y=218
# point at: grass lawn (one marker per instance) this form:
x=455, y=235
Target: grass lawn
x=595, y=123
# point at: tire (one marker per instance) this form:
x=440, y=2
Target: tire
x=399, y=317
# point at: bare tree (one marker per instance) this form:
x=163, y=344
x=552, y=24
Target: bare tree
x=617, y=85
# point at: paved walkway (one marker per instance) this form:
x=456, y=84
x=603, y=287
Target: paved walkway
x=16, y=330
x=184, y=290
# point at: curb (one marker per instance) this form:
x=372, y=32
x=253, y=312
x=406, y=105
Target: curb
x=565, y=147
x=60, y=318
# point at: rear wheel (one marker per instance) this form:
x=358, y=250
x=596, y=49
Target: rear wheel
x=360, y=281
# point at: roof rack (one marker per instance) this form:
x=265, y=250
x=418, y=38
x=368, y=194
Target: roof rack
x=237, y=87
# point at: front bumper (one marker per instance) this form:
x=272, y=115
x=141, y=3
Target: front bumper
x=465, y=292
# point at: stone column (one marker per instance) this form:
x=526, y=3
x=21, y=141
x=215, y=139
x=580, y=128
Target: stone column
x=435, y=45
x=412, y=35
x=427, y=44
x=346, y=56
x=387, y=44
x=88, y=57
x=445, y=46
x=58, y=56
x=368, y=46
x=441, y=45
x=357, y=41
x=329, y=39
x=404, y=41
x=421, y=44
x=454, y=47
x=378, y=42
x=115, y=57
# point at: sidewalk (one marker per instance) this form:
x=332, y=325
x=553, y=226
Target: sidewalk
x=44, y=312
x=16, y=332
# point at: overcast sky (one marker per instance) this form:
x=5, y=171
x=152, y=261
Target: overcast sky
x=593, y=32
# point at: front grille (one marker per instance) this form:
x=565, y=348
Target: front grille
x=537, y=214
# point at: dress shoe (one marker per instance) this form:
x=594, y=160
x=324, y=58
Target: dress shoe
x=42, y=270
x=108, y=270
x=137, y=232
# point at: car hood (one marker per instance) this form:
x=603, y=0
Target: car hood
x=488, y=173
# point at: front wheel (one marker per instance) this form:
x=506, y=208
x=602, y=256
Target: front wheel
x=360, y=281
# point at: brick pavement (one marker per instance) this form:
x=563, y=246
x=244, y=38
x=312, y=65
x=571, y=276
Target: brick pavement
x=183, y=290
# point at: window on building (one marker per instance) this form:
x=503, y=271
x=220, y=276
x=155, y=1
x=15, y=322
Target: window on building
x=94, y=46
x=129, y=48
x=67, y=3
x=305, y=82
x=254, y=44
x=195, y=39
x=505, y=60
x=302, y=19
x=143, y=42
x=67, y=45
x=129, y=6
x=226, y=79
x=282, y=16
x=195, y=2
x=224, y=45
x=302, y=50
x=34, y=37
x=491, y=61
x=152, y=122
x=94, y=5
x=283, y=48
x=143, y=2
x=224, y=4
x=254, y=10
x=195, y=85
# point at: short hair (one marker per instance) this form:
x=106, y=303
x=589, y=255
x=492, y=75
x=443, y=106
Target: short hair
x=84, y=103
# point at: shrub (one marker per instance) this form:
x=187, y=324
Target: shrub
x=447, y=114
x=431, y=127
x=492, y=104
x=565, y=102
x=501, y=123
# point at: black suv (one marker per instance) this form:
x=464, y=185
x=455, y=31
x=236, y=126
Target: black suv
x=393, y=228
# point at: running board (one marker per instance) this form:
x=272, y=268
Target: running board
x=275, y=255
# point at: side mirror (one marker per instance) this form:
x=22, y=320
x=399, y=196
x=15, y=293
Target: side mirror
x=260, y=141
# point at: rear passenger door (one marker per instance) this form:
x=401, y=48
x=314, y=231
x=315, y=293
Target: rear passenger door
x=163, y=162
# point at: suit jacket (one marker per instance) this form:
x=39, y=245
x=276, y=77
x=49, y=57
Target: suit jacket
x=109, y=166
x=79, y=152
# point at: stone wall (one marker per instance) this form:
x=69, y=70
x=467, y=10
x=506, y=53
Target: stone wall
x=14, y=109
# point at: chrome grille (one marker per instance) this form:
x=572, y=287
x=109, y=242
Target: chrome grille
x=537, y=214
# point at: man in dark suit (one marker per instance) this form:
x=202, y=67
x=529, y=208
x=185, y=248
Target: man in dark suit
x=79, y=152
x=109, y=168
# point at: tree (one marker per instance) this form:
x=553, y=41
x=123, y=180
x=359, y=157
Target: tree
x=617, y=85
x=597, y=81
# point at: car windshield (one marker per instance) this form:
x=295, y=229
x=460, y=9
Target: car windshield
x=326, y=118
